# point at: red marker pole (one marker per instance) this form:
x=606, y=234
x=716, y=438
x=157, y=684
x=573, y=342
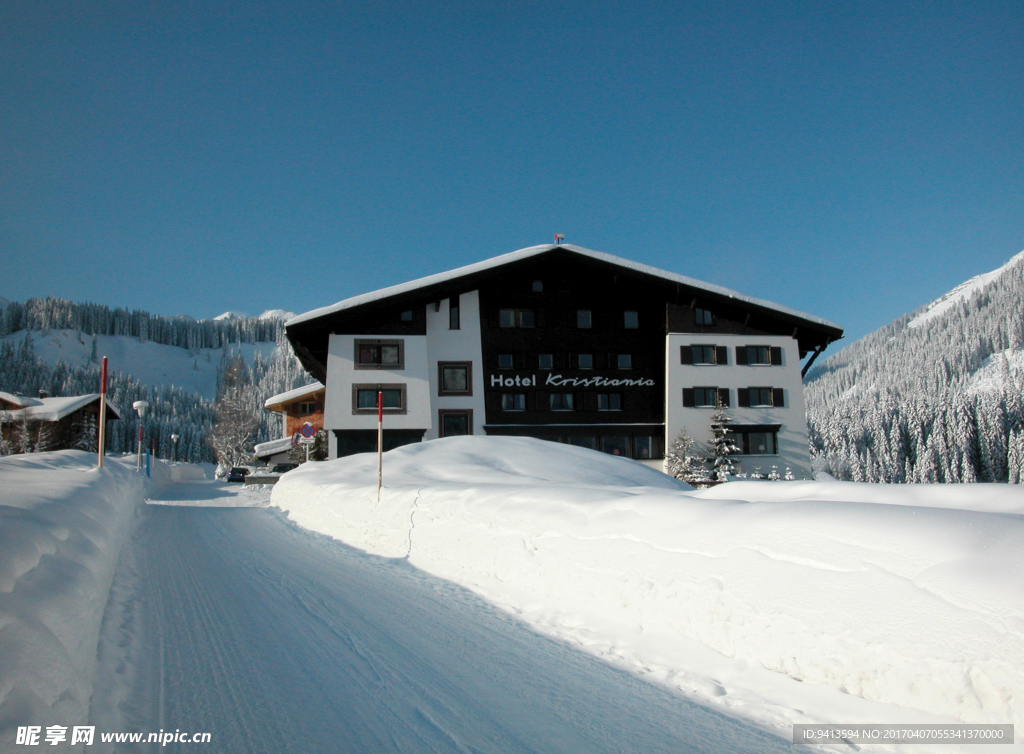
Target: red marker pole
x=101, y=443
x=380, y=441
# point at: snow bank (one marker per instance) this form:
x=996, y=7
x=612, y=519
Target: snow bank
x=62, y=523
x=788, y=604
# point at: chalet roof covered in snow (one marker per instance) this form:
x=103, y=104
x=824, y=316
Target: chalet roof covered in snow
x=55, y=409
x=277, y=402
x=533, y=251
x=309, y=333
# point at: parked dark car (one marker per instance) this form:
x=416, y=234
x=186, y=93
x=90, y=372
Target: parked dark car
x=238, y=474
x=282, y=468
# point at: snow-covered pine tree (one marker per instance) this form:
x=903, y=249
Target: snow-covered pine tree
x=723, y=445
x=683, y=461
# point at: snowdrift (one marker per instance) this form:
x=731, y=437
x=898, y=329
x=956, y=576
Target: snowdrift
x=62, y=523
x=790, y=604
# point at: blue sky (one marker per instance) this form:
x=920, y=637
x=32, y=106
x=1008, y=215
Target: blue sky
x=852, y=160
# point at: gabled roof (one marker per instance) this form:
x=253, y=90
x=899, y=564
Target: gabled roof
x=533, y=251
x=55, y=409
x=278, y=401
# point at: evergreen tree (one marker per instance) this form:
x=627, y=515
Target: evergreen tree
x=683, y=461
x=723, y=445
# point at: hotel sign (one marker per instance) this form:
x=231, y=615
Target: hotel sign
x=557, y=380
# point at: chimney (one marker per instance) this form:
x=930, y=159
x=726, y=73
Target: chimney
x=43, y=393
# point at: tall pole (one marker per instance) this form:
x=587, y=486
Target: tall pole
x=101, y=443
x=380, y=441
x=140, y=407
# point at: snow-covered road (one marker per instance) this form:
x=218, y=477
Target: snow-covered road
x=236, y=622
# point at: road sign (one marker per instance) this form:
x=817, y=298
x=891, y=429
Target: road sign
x=307, y=430
x=307, y=440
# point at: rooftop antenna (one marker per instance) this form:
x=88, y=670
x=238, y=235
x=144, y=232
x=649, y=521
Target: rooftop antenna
x=559, y=237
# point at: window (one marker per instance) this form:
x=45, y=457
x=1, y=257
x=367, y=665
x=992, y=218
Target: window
x=453, y=423
x=364, y=398
x=624, y=361
x=643, y=447
x=407, y=315
x=705, y=397
x=306, y=408
x=513, y=401
x=631, y=320
x=454, y=322
x=455, y=378
x=506, y=361
x=761, y=397
x=561, y=401
x=757, y=439
x=583, y=318
x=704, y=355
x=609, y=401
x=516, y=318
x=704, y=316
x=585, y=360
x=584, y=442
x=759, y=443
x=379, y=354
x=759, y=355
x=538, y=286
x=545, y=361
x=616, y=446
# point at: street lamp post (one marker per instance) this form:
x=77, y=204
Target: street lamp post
x=141, y=407
x=174, y=449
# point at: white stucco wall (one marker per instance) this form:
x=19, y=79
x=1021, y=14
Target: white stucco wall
x=341, y=376
x=792, y=438
x=463, y=344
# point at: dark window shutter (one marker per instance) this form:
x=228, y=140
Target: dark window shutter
x=723, y=396
x=778, y=397
x=685, y=355
x=741, y=355
x=688, y=401
x=776, y=356
x=743, y=397
x=722, y=355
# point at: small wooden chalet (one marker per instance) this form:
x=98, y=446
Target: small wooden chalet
x=45, y=423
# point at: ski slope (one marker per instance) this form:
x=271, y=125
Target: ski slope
x=148, y=362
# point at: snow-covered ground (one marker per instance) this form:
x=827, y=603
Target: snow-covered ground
x=776, y=602
x=148, y=362
x=62, y=523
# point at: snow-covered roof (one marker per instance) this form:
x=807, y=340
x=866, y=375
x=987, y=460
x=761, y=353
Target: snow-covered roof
x=18, y=400
x=272, y=447
x=533, y=251
x=291, y=395
x=55, y=409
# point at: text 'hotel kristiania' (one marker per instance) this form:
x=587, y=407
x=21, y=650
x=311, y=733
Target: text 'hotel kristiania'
x=566, y=344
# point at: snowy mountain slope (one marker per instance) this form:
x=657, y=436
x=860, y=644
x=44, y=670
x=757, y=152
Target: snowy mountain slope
x=280, y=314
x=932, y=396
x=177, y=364
x=150, y=363
x=963, y=291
